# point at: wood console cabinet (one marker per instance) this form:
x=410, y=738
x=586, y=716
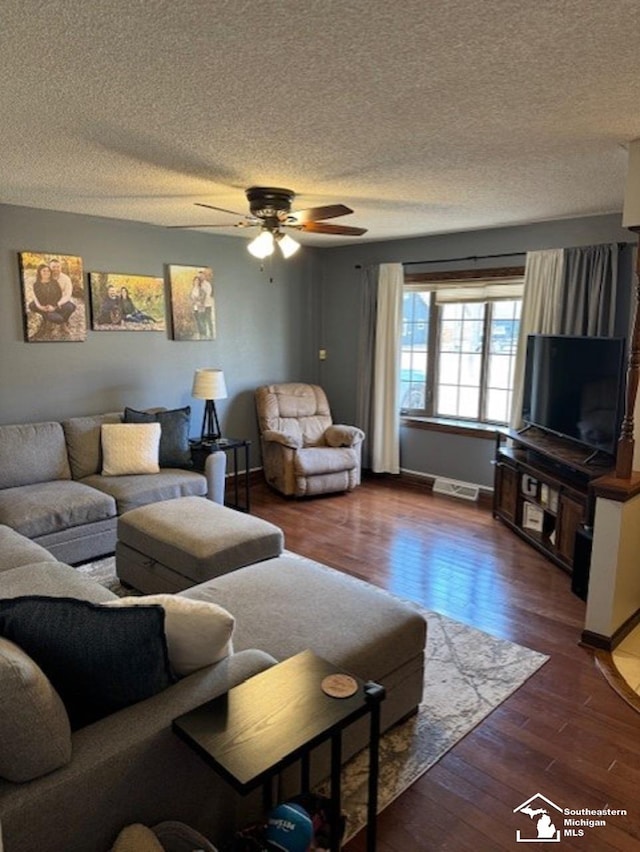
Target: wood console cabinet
x=542, y=490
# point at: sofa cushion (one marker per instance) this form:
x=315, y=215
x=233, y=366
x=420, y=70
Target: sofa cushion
x=36, y=510
x=198, y=632
x=97, y=658
x=33, y=452
x=130, y=492
x=174, y=433
x=130, y=448
x=35, y=736
x=16, y=550
x=357, y=626
x=53, y=579
x=84, y=448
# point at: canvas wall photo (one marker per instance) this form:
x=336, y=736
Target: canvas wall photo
x=193, y=313
x=121, y=302
x=53, y=297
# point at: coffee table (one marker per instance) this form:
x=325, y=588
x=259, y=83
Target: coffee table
x=277, y=717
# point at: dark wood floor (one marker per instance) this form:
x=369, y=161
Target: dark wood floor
x=565, y=733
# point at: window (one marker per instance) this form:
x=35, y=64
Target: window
x=459, y=341
x=415, y=333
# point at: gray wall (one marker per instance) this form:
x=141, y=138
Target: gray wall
x=266, y=329
x=435, y=453
x=462, y=457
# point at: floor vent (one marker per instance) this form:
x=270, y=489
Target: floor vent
x=453, y=488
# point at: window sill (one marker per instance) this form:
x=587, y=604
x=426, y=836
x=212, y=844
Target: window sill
x=486, y=431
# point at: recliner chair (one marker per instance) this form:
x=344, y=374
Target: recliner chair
x=303, y=452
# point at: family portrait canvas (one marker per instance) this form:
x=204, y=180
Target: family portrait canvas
x=193, y=314
x=54, y=297
x=126, y=302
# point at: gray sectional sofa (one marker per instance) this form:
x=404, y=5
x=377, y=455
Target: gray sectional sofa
x=52, y=489
x=73, y=792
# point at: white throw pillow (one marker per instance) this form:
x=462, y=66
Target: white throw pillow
x=130, y=448
x=198, y=632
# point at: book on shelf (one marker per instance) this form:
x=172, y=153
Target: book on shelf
x=529, y=485
x=532, y=517
x=548, y=497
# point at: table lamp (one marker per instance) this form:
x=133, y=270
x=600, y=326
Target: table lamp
x=209, y=384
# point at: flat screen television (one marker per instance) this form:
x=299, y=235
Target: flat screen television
x=573, y=388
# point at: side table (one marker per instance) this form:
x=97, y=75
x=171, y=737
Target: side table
x=278, y=717
x=201, y=449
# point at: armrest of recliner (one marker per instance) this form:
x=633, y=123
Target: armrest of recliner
x=283, y=438
x=343, y=436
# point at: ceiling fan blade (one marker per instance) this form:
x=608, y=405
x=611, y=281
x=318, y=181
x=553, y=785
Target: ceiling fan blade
x=326, y=228
x=314, y=214
x=220, y=209
x=209, y=225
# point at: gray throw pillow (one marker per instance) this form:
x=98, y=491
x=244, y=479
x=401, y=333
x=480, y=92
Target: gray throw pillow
x=174, y=433
x=98, y=659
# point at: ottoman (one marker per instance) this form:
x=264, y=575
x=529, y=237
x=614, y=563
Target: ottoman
x=174, y=544
x=288, y=604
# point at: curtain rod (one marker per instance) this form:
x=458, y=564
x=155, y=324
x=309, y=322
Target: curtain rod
x=476, y=257
x=469, y=257
x=457, y=259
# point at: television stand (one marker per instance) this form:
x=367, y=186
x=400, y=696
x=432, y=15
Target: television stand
x=542, y=489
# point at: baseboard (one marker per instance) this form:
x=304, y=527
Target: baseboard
x=410, y=477
x=590, y=639
x=255, y=475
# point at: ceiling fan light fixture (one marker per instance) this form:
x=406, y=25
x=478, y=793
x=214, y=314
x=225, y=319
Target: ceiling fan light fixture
x=287, y=245
x=262, y=246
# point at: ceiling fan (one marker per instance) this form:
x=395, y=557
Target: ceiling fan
x=270, y=210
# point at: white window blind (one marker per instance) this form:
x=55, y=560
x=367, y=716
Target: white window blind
x=470, y=291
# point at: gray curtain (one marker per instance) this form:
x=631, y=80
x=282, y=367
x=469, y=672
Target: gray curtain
x=366, y=357
x=589, y=291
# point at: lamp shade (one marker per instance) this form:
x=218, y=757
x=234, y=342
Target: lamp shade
x=209, y=383
x=631, y=211
x=287, y=246
x=262, y=246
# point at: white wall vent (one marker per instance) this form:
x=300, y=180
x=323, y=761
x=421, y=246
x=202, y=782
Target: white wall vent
x=453, y=488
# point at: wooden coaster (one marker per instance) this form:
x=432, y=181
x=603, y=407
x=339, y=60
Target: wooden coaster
x=339, y=686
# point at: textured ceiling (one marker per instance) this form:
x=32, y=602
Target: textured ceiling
x=424, y=116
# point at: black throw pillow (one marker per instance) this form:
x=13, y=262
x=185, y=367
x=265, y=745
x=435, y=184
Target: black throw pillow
x=174, y=433
x=99, y=659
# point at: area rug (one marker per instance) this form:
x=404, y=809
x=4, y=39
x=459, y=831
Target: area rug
x=468, y=674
